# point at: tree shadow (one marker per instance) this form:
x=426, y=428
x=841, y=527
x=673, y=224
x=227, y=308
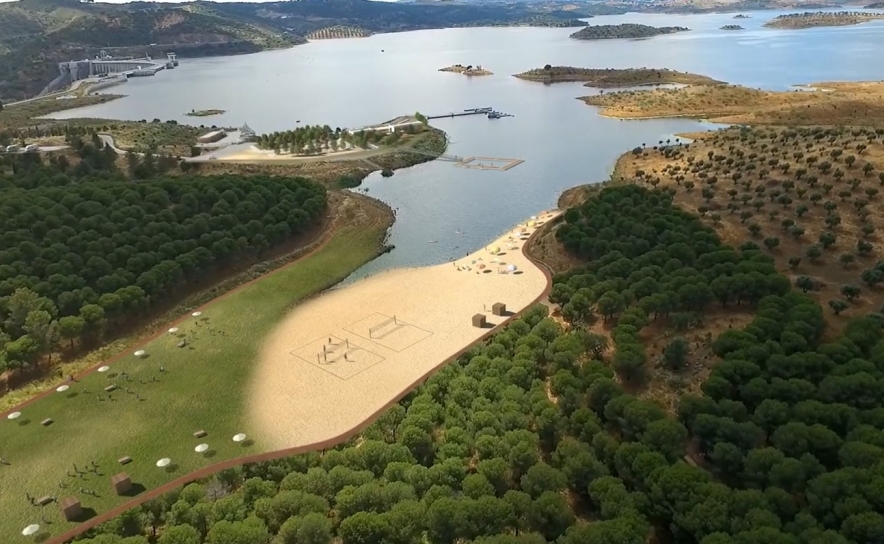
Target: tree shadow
x=133, y=491
x=85, y=514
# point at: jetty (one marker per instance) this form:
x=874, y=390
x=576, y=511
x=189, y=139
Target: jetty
x=472, y=111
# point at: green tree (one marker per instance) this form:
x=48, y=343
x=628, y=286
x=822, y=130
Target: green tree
x=180, y=534
x=675, y=354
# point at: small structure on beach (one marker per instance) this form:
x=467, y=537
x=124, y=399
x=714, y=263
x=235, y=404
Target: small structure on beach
x=479, y=321
x=121, y=483
x=71, y=509
x=498, y=308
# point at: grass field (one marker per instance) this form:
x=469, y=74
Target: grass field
x=202, y=388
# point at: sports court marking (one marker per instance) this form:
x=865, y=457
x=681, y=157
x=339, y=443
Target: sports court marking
x=340, y=357
x=388, y=331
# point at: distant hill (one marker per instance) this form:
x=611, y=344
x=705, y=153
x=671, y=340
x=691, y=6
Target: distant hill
x=628, y=30
x=35, y=35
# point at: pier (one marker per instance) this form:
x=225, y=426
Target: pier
x=472, y=111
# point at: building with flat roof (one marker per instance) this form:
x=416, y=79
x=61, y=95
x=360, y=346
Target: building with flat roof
x=211, y=137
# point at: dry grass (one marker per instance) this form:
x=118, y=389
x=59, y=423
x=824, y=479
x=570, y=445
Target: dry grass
x=665, y=386
x=738, y=189
x=828, y=104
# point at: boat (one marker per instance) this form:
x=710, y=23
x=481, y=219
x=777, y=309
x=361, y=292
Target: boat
x=494, y=115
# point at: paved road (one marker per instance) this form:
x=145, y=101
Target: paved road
x=108, y=140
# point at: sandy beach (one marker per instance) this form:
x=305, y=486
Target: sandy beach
x=253, y=153
x=340, y=358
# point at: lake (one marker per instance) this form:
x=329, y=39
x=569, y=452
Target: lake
x=444, y=211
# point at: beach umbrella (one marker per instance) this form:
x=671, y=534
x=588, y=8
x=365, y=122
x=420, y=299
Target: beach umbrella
x=14, y=415
x=196, y=314
x=512, y=268
x=173, y=330
x=103, y=368
x=201, y=448
x=534, y=218
x=62, y=388
x=30, y=530
x=481, y=266
x=139, y=353
x=164, y=462
x=239, y=437
x=531, y=223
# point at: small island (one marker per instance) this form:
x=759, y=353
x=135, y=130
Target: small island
x=741, y=16
x=204, y=113
x=606, y=78
x=626, y=30
x=811, y=19
x=732, y=27
x=468, y=70
x=876, y=5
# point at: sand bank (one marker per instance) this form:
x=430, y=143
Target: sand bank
x=338, y=359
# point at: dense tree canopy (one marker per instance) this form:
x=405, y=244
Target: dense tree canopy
x=76, y=256
x=530, y=438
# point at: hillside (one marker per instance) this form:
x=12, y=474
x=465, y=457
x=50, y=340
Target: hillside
x=626, y=30
x=811, y=19
x=35, y=35
x=829, y=103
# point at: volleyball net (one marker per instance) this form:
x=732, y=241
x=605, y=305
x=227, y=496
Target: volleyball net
x=380, y=326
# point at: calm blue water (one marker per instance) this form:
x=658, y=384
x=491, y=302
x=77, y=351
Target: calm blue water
x=563, y=142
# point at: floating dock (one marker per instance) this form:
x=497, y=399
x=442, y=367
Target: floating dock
x=489, y=163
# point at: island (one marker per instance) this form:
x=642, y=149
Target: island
x=732, y=27
x=468, y=70
x=741, y=16
x=204, y=113
x=626, y=30
x=876, y=5
x=811, y=19
x=605, y=78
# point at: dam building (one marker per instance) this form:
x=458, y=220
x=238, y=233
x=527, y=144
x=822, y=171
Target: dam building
x=105, y=64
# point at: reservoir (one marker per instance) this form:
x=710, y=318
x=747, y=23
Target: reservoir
x=444, y=211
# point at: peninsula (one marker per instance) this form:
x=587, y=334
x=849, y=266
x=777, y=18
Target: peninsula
x=811, y=19
x=468, y=70
x=605, y=78
x=732, y=27
x=822, y=104
x=204, y=113
x=626, y=30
